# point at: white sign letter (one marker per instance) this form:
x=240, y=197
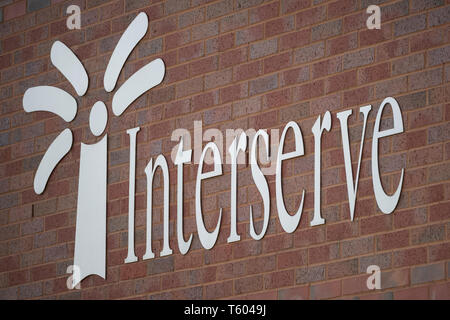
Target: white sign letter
x=182, y=157
x=74, y=20
x=234, y=149
x=207, y=239
x=150, y=172
x=385, y=202
x=288, y=222
x=352, y=189
x=131, y=257
x=261, y=184
x=374, y=21
x=317, y=130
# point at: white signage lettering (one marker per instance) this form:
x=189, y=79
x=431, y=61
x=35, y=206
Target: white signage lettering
x=90, y=236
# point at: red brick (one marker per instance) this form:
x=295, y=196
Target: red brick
x=426, y=40
x=234, y=21
x=342, y=44
x=310, y=236
x=250, y=284
x=323, y=253
x=277, y=243
x=278, y=26
x=43, y=272
x=293, y=76
x=355, y=285
x=440, y=291
x=233, y=92
x=174, y=280
x=341, y=7
x=277, y=98
x=255, y=265
x=394, y=278
x=325, y=290
x=163, y=26
x=390, y=87
x=310, y=16
x=219, y=290
x=358, y=96
x=296, y=293
x=428, y=194
x=426, y=234
x=264, y=84
x=310, y=90
x=427, y=273
x=56, y=221
x=12, y=43
x=357, y=247
x=417, y=293
x=425, y=117
x=133, y=271
x=98, y=31
x=178, y=39
x=397, y=239
x=374, y=36
x=379, y=223
x=374, y=73
x=294, y=5
x=340, y=81
x=279, y=279
x=291, y=259
x=205, y=65
x=424, y=79
x=342, y=268
x=295, y=39
x=355, y=21
x=190, y=52
x=409, y=25
x=333, y=194
x=264, y=12
x=231, y=58
x=309, y=53
x=14, y=10
x=189, y=87
x=409, y=140
x=410, y=217
x=408, y=64
x=219, y=114
x=116, y=291
x=247, y=71
x=263, y=48
x=409, y=257
x=440, y=212
x=251, y=34
x=326, y=30
x=392, y=49
x=219, y=9
x=278, y=62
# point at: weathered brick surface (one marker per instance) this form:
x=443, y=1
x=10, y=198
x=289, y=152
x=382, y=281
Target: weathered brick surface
x=235, y=64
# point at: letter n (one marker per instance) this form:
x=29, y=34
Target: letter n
x=150, y=172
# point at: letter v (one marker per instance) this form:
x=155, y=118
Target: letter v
x=352, y=189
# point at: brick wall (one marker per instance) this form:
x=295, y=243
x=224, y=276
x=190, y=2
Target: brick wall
x=235, y=64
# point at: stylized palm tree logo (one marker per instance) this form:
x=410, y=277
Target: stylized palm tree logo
x=90, y=237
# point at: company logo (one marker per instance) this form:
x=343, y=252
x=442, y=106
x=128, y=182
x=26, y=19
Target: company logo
x=90, y=237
